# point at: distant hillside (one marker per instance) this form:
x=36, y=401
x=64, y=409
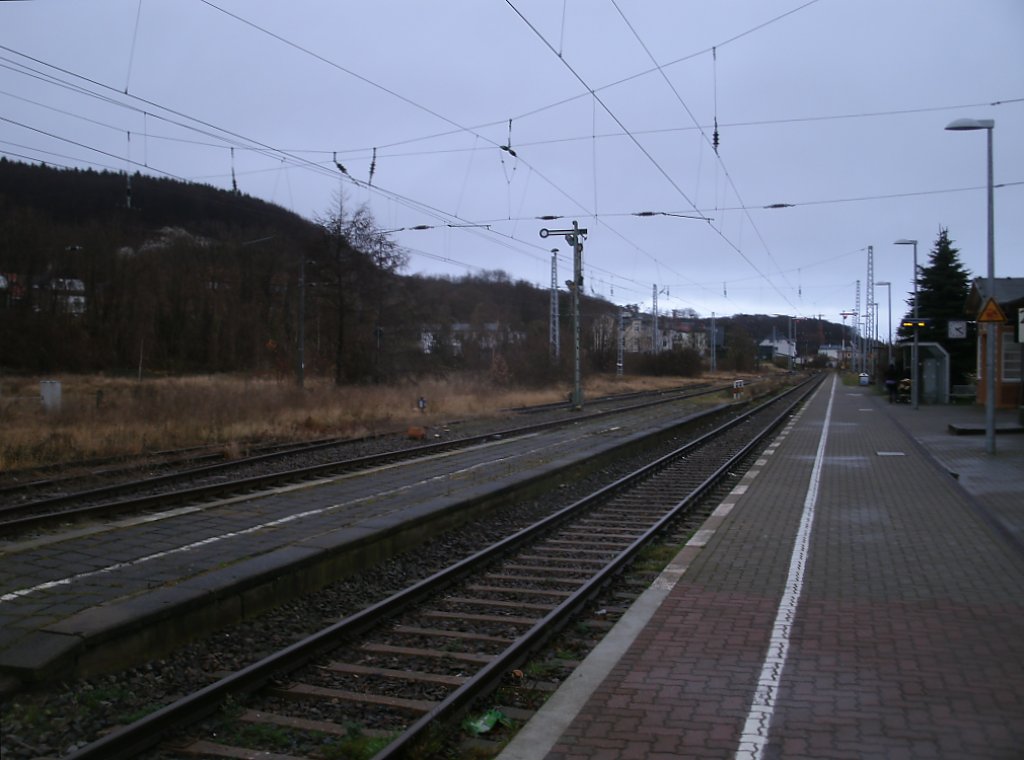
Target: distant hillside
x=192, y=278
x=78, y=198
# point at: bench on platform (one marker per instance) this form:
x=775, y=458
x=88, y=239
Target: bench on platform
x=966, y=393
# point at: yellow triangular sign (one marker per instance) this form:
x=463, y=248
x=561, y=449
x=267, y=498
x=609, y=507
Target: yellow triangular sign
x=991, y=312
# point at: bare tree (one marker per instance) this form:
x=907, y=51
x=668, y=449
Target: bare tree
x=362, y=261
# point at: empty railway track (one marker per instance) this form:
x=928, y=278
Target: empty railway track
x=404, y=670
x=38, y=504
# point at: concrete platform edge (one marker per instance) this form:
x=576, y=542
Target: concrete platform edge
x=546, y=727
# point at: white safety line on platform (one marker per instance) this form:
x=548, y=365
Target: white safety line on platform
x=548, y=725
x=68, y=580
x=754, y=738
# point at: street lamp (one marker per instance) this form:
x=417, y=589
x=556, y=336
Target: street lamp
x=965, y=125
x=913, y=352
x=888, y=288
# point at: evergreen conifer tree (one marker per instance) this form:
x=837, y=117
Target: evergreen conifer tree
x=942, y=289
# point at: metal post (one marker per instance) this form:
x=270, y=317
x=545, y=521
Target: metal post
x=913, y=352
x=888, y=334
x=991, y=328
x=869, y=294
x=792, y=345
x=573, y=237
x=301, y=370
x=554, y=337
x=914, y=370
x=714, y=344
x=888, y=288
x=857, y=338
x=655, y=343
x=577, y=271
x=619, y=368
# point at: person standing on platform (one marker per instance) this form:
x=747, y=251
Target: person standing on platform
x=891, y=380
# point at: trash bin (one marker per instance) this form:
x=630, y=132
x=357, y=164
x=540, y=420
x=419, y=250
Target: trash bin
x=864, y=378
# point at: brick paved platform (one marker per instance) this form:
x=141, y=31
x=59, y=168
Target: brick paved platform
x=850, y=599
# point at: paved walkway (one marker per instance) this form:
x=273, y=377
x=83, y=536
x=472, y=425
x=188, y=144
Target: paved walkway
x=850, y=599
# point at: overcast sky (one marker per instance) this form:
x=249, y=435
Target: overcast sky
x=835, y=107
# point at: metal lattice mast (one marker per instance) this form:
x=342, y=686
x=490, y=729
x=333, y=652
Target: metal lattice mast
x=655, y=343
x=856, y=330
x=871, y=305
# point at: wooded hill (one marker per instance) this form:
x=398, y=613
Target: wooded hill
x=159, y=276
x=176, y=277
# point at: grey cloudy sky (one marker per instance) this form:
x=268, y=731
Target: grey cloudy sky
x=835, y=107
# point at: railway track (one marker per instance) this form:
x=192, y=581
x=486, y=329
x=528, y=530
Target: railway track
x=400, y=669
x=277, y=466
x=40, y=483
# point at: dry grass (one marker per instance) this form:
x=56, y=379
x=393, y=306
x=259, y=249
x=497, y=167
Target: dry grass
x=102, y=416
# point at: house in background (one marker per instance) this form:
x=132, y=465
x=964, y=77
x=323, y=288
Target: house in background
x=834, y=355
x=778, y=348
x=1009, y=295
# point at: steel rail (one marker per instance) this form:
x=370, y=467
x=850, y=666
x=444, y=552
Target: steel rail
x=518, y=652
x=146, y=733
x=113, y=464
x=26, y=516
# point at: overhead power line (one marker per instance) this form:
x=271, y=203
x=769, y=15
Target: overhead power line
x=643, y=150
x=713, y=143
x=410, y=101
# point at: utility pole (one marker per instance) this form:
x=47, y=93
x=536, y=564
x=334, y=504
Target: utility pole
x=622, y=344
x=301, y=373
x=791, y=349
x=574, y=238
x=869, y=286
x=714, y=344
x=655, y=343
x=855, y=346
x=554, y=337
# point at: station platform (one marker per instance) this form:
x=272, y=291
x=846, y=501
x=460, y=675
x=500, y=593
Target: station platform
x=859, y=594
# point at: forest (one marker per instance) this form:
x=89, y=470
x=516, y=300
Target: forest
x=105, y=273
x=137, y=275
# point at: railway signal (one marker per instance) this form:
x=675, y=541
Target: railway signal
x=575, y=238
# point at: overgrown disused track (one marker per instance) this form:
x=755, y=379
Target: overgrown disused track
x=284, y=464
x=419, y=659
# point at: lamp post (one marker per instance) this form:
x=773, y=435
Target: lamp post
x=888, y=342
x=965, y=125
x=913, y=352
